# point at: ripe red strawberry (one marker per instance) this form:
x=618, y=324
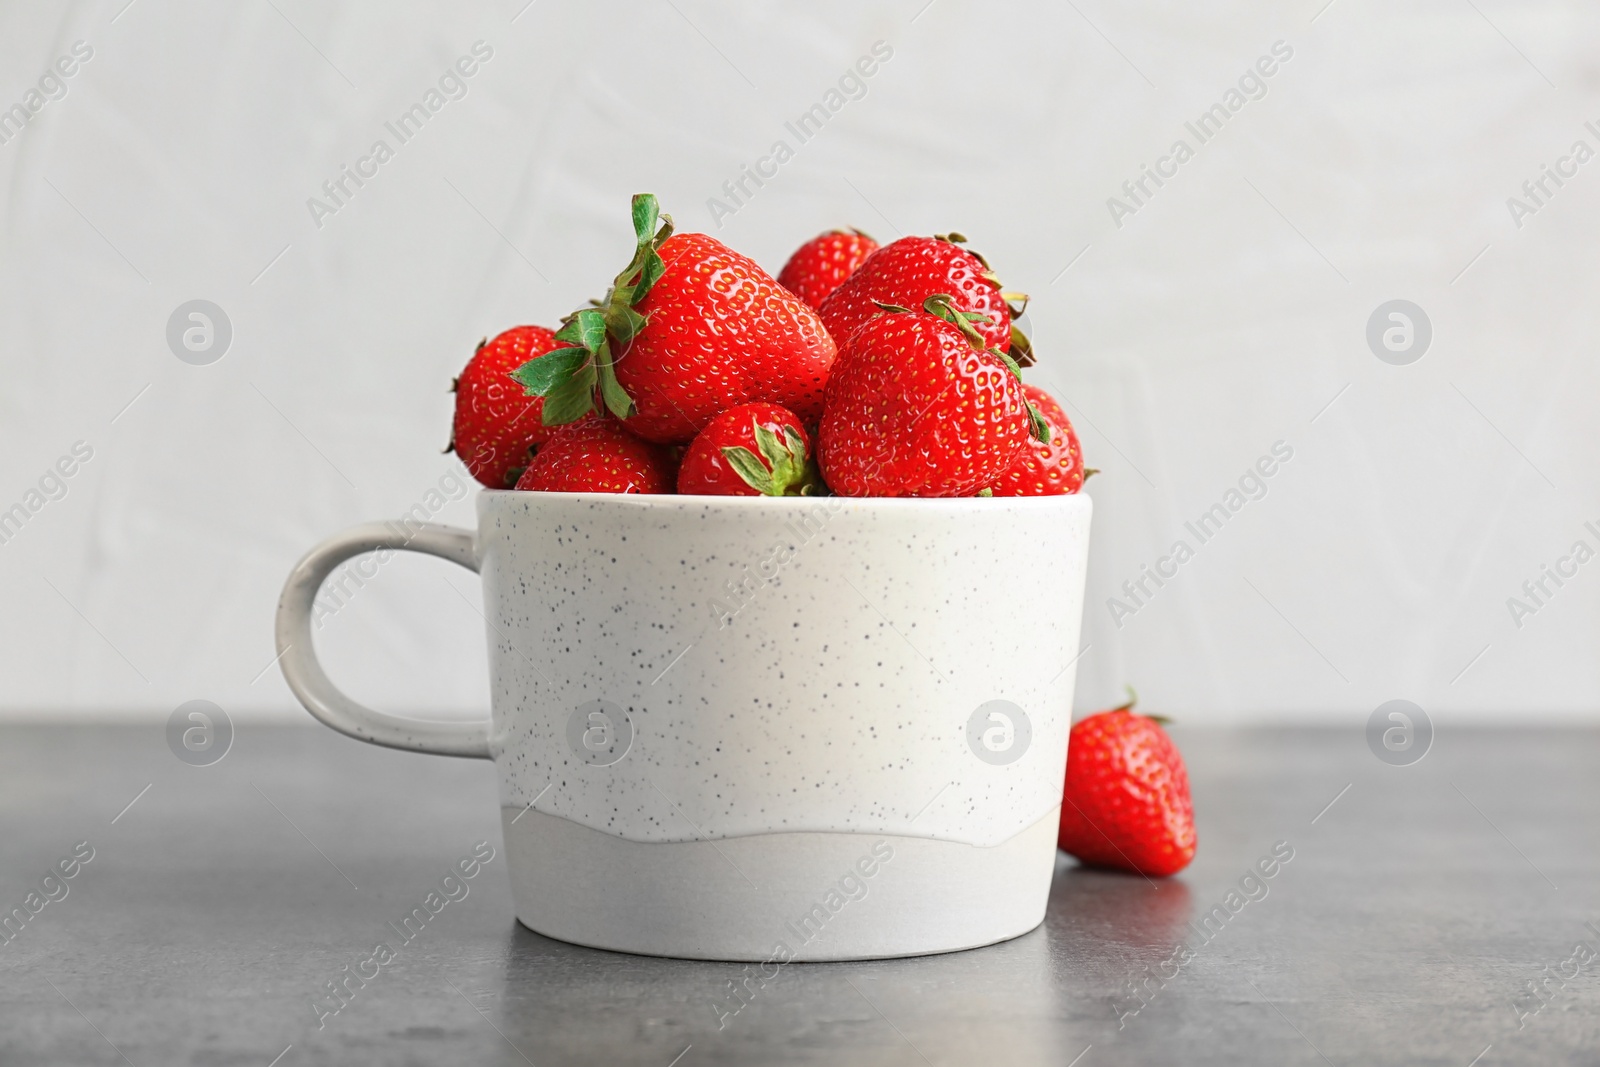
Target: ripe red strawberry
x=907, y=272
x=596, y=455
x=497, y=424
x=819, y=265
x=689, y=329
x=1047, y=468
x=917, y=407
x=752, y=450
x=1126, y=804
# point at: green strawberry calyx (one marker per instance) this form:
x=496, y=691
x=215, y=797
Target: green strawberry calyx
x=960, y=241
x=787, y=470
x=569, y=378
x=1016, y=303
x=1133, y=698
x=1021, y=344
x=942, y=305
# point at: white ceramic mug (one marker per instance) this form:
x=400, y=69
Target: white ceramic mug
x=762, y=729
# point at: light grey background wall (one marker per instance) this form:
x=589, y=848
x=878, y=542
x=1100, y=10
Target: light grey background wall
x=1190, y=331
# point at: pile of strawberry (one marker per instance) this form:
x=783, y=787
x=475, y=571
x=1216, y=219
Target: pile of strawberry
x=860, y=371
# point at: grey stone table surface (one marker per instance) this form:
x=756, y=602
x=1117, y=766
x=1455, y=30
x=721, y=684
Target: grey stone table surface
x=1439, y=913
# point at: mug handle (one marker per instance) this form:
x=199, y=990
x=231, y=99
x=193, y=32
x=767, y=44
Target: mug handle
x=297, y=656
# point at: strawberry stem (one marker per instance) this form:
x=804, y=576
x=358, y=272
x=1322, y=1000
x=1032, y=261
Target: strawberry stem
x=942, y=305
x=572, y=384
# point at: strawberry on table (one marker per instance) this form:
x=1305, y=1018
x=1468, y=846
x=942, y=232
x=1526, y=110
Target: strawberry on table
x=752, y=450
x=497, y=425
x=1126, y=803
x=917, y=406
x=689, y=329
x=907, y=272
x=596, y=455
x=819, y=266
x=1047, y=468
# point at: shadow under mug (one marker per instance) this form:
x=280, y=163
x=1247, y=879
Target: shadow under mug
x=757, y=729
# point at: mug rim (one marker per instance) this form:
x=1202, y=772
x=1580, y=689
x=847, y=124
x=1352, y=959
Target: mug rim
x=886, y=503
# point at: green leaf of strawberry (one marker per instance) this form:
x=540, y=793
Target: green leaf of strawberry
x=748, y=466
x=616, y=398
x=543, y=373
x=776, y=452
x=943, y=306
x=646, y=267
x=1038, y=428
x=646, y=213
x=623, y=323
x=787, y=469
x=649, y=274
x=586, y=329
x=572, y=399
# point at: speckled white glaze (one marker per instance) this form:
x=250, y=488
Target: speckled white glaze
x=834, y=694
x=708, y=710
